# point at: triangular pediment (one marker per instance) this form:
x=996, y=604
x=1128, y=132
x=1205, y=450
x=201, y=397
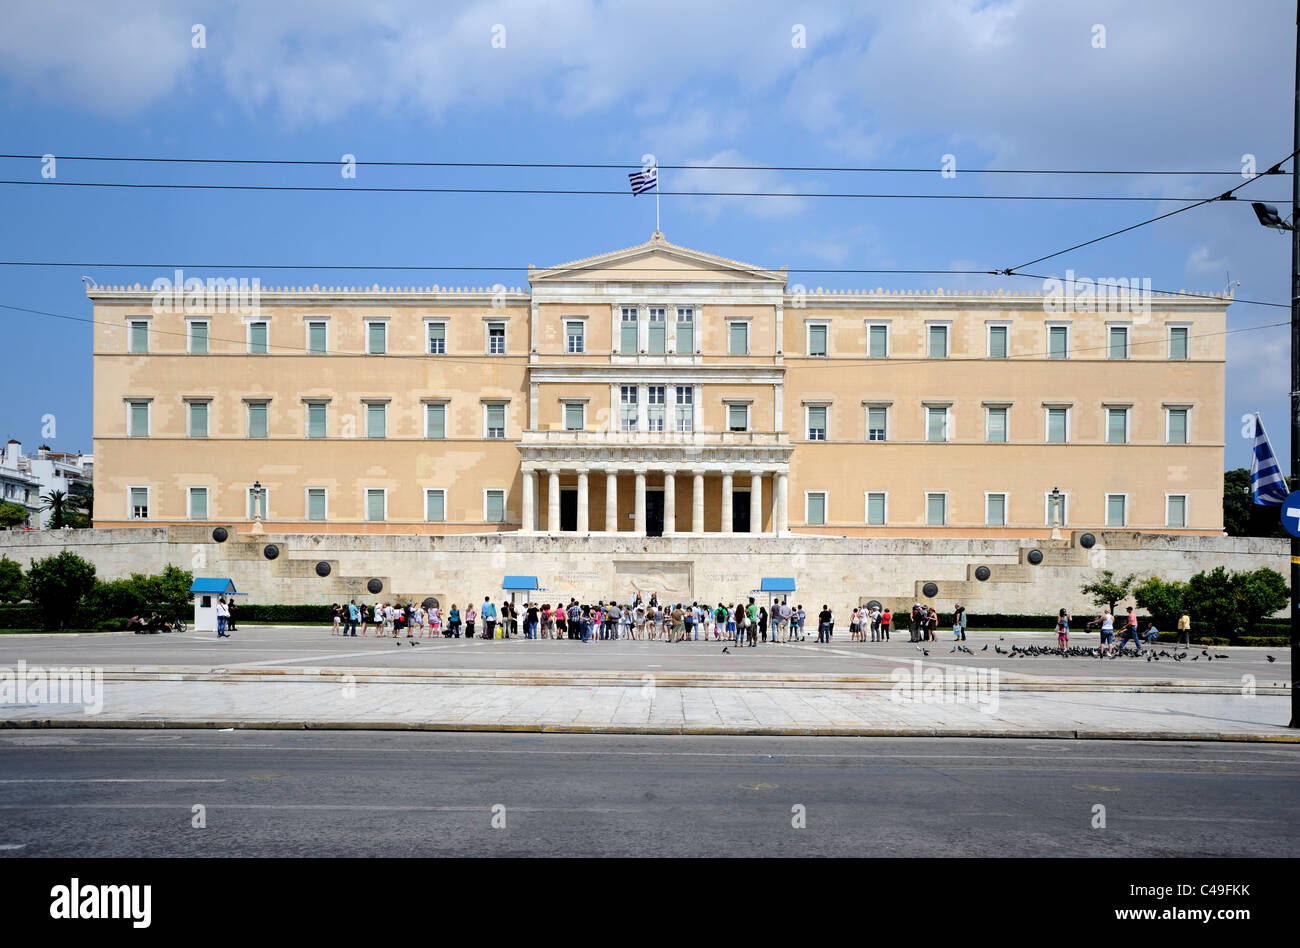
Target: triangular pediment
x=656, y=261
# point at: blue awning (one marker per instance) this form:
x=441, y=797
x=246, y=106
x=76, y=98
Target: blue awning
x=213, y=586
x=777, y=584
x=520, y=584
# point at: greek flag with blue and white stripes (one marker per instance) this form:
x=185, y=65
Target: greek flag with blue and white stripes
x=643, y=181
x=1266, y=481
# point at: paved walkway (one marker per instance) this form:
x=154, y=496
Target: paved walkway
x=342, y=702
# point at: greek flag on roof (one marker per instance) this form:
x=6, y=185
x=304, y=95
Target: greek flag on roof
x=1266, y=481
x=643, y=181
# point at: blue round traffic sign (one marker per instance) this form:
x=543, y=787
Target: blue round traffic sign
x=1291, y=513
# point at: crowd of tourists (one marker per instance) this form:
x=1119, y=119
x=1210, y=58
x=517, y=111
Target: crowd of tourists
x=642, y=619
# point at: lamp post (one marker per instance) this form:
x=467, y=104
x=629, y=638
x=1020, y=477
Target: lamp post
x=257, y=506
x=1056, y=513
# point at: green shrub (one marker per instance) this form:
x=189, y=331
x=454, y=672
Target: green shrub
x=58, y=585
x=284, y=614
x=1264, y=641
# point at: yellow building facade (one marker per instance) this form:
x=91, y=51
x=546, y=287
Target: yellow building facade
x=660, y=390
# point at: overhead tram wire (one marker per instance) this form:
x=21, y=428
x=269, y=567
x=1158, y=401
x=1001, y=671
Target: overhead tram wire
x=614, y=167
x=853, y=363
x=618, y=192
x=1225, y=196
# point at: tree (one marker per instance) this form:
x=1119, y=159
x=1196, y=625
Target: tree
x=81, y=500
x=1162, y=600
x=1242, y=517
x=13, y=587
x=56, y=502
x=12, y=515
x=57, y=584
x=1108, y=591
x=1259, y=593
x=1211, y=601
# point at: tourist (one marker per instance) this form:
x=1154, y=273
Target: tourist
x=354, y=618
x=803, y=618
x=886, y=617
x=223, y=614
x=470, y=616
x=751, y=623
x=1130, y=631
x=230, y=618
x=1151, y=635
x=1062, y=629
x=823, y=625
x=959, y=624
x=762, y=626
x=489, y=613
x=453, y=623
x=531, y=619
x=1107, y=623
x=338, y=618
x=1184, y=630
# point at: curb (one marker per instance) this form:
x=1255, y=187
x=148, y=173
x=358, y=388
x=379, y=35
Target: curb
x=937, y=732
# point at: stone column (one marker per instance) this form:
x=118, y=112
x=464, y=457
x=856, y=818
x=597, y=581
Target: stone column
x=530, y=492
x=756, y=502
x=583, y=505
x=611, y=501
x=553, y=503
x=670, y=503
x=726, y=502
x=781, y=505
x=639, y=522
x=697, y=504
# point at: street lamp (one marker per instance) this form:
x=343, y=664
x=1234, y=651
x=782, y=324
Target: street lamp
x=257, y=506
x=1056, y=513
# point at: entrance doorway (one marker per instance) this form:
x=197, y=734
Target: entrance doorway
x=654, y=513
x=568, y=511
x=740, y=511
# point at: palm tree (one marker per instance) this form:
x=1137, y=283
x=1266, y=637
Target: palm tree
x=56, y=502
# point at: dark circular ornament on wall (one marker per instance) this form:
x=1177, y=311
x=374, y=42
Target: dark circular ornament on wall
x=220, y=534
x=930, y=590
x=322, y=568
x=375, y=586
x=270, y=551
x=874, y=604
x=1087, y=541
x=982, y=573
x=430, y=603
x=1035, y=556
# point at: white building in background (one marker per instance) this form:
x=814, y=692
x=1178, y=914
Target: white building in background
x=26, y=478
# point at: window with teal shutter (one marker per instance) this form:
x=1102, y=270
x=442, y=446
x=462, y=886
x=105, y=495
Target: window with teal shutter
x=139, y=340
x=627, y=331
x=376, y=338
x=198, y=419
x=257, y=339
x=658, y=330
x=374, y=505
x=257, y=419
x=878, y=342
x=435, y=502
x=817, y=509
x=316, y=420
x=316, y=338
x=198, y=337
x=685, y=330
x=738, y=339
x=817, y=340
x=997, y=342
x=496, y=506
x=139, y=420
x=1116, y=425
x=435, y=421
x=316, y=503
x=876, y=508
x=1177, y=426
x=376, y=421
x=1178, y=342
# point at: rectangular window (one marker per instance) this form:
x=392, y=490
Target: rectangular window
x=738, y=339
x=257, y=419
x=1176, y=510
x=685, y=408
x=815, y=515
x=435, y=421
x=817, y=340
x=1118, y=336
x=936, y=424
x=198, y=503
x=138, y=337
x=997, y=342
x=198, y=336
x=435, y=505
x=816, y=422
x=658, y=330
x=496, y=338
x=1057, y=425
x=936, y=510
x=257, y=338
x=316, y=498
x=316, y=419
x=1178, y=342
x=1058, y=342
x=877, y=416
x=496, y=421
x=878, y=342
x=139, y=503
x=685, y=330
x=995, y=510
x=573, y=335
x=376, y=338
x=437, y=338
x=139, y=420
x=996, y=426
x=198, y=412
x=573, y=420
x=737, y=417
x=376, y=420
x=655, y=408
x=1115, y=510
x=494, y=506
x=876, y=508
x=1177, y=433
x=376, y=504
x=1117, y=426
x=937, y=346
x=627, y=408
x=627, y=340
x=317, y=338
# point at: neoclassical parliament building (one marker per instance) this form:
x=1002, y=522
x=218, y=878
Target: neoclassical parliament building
x=659, y=390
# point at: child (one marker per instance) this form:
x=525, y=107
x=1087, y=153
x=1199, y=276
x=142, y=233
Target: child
x=1062, y=630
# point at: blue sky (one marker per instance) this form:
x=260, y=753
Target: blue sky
x=1179, y=84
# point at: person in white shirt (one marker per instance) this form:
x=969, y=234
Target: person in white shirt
x=223, y=616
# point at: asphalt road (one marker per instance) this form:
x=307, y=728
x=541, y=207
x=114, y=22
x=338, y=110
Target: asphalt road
x=255, y=646
x=127, y=793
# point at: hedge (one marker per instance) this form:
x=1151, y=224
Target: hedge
x=289, y=615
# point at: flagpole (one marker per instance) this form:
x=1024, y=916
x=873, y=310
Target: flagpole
x=657, y=190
